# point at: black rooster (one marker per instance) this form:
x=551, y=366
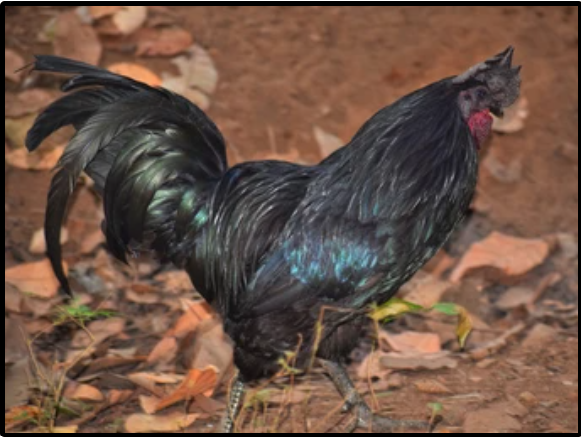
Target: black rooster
x=272, y=246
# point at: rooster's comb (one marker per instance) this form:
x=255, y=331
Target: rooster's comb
x=499, y=75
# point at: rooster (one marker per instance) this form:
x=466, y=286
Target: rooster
x=276, y=248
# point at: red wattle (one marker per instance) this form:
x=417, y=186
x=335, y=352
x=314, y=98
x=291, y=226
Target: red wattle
x=481, y=127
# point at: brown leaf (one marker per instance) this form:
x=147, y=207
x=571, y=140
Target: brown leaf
x=511, y=256
x=101, y=331
x=440, y=264
x=149, y=404
x=426, y=290
x=176, y=282
x=515, y=298
x=211, y=347
x=16, y=129
x=19, y=416
x=432, y=387
x=84, y=393
x=163, y=42
x=27, y=102
x=12, y=63
x=209, y=406
x=136, y=72
x=38, y=242
x=117, y=397
x=173, y=423
x=197, y=382
x=13, y=299
x=195, y=314
x=76, y=40
x=23, y=160
x=129, y=19
x=150, y=381
x=165, y=352
x=328, y=143
x=415, y=342
x=98, y=12
x=36, y=279
x=92, y=242
x=396, y=361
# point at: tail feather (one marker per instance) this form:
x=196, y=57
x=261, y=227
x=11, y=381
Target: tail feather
x=146, y=149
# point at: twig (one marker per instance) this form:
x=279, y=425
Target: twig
x=498, y=344
x=547, y=283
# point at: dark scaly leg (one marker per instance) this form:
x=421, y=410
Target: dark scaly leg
x=365, y=419
x=235, y=404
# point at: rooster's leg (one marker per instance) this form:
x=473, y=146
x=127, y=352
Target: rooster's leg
x=234, y=406
x=365, y=419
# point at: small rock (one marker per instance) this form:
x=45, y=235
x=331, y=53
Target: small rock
x=540, y=336
x=529, y=399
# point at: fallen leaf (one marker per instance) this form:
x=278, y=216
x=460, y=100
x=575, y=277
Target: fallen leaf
x=27, y=102
x=513, y=257
x=117, y=397
x=13, y=299
x=432, y=387
x=136, y=72
x=84, y=393
x=38, y=242
x=514, y=119
x=23, y=160
x=173, y=423
x=149, y=404
x=101, y=331
x=36, y=279
x=165, y=352
x=426, y=290
x=197, y=382
x=328, y=143
x=98, y=12
x=495, y=419
x=210, y=347
x=440, y=264
x=371, y=369
x=195, y=314
x=209, y=406
x=18, y=416
x=150, y=381
x=65, y=430
x=76, y=40
x=92, y=242
x=12, y=63
x=465, y=326
x=197, y=74
x=176, y=282
x=16, y=130
x=163, y=42
x=540, y=336
x=129, y=19
x=397, y=361
x=415, y=342
x=515, y=298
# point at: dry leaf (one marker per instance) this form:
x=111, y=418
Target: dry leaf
x=515, y=298
x=211, y=347
x=98, y=12
x=27, y=102
x=16, y=130
x=84, y=393
x=92, y=242
x=101, y=331
x=19, y=416
x=432, y=387
x=514, y=119
x=12, y=63
x=511, y=256
x=163, y=42
x=328, y=143
x=13, y=299
x=397, y=361
x=173, y=423
x=150, y=381
x=136, y=72
x=415, y=342
x=165, y=352
x=23, y=160
x=209, y=406
x=195, y=314
x=426, y=290
x=129, y=19
x=197, y=72
x=64, y=430
x=440, y=264
x=176, y=282
x=38, y=242
x=197, y=382
x=36, y=279
x=149, y=404
x=76, y=40
x=117, y=397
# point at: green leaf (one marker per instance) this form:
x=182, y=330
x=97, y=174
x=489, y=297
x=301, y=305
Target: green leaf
x=448, y=309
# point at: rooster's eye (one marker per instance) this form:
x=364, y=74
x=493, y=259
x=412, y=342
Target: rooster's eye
x=482, y=93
